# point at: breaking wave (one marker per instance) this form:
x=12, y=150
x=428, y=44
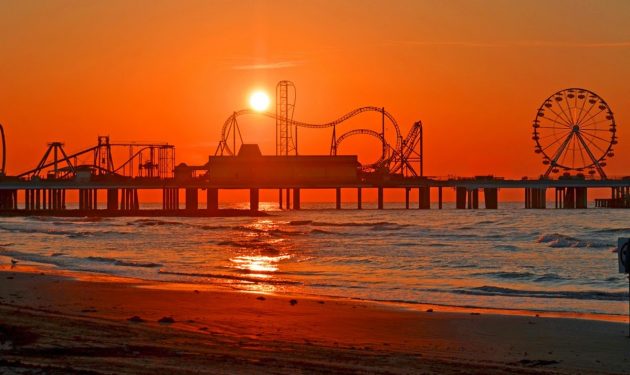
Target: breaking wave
x=579, y=295
x=561, y=240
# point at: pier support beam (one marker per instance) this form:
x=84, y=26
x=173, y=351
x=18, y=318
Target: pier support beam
x=338, y=198
x=88, y=199
x=296, y=199
x=212, y=199
x=380, y=198
x=439, y=197
x=288, y=199
x=569, y=198
x=129, y=200
x=112, y=199
x=424, y=197
x=254, y=199
x=192, y=199
x=460, y=197
x=535, y=198
x=491, y=198
x=359, y=199
x=8, y=200
x=474, y=193
x=280, y=198
x=581, y=197
x=620, y=197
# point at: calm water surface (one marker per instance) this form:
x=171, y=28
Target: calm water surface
x=558, y=260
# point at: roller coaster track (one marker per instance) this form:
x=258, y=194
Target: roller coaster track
x=402, y=160
x=383, y=158
x=225, y=131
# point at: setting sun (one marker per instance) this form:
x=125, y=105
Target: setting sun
x=259, y=101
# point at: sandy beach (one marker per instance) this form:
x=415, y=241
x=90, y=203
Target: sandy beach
x=51, y=323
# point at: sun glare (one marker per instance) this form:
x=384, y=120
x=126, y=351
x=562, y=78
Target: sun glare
x=259, y=101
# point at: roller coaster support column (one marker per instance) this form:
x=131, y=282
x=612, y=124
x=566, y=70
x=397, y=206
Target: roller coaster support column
x=338, y=198
x=254, y=199
x=212, y=199
x=491, y=198
x=380, y=197
x=424, y=197
x=192, y=199
x=296, y=198
x=359, y=198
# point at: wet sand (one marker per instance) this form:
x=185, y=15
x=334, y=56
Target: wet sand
x=51, y=323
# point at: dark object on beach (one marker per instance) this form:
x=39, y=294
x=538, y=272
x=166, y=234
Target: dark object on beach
x=293, y=302
x=475, y=313
x=429, y=310
x=203, y=328
x=166, y=320
x=89, y=310
x=261, y=298
x=196, y=291
x=136, y=319
x=321, y=302
x=17, y=336
x=10, y=277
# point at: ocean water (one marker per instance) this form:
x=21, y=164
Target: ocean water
x=555, y=260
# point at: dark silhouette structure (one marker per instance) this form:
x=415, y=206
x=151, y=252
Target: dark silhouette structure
x=118, y=171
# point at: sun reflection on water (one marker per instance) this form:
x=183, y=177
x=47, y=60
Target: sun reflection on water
x=261, y=266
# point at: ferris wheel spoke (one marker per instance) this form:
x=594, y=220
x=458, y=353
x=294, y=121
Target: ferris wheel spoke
x=565, y=153
x=579, y=120
x=553, y=143
x=566, y=116
x=596, y=130
x=595, y=136
x=594, y=144
x=585, y=121
x=593, y=122
x=575, y=106
x=560, y=117
x=588, y=152
x=553, y=127
x=568, y=113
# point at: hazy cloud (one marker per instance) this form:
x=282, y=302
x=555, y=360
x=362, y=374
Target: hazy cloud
x=527, y=43
x=273, y=65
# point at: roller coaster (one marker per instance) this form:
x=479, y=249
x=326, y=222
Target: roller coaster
x=140, y=160
x=402, y=156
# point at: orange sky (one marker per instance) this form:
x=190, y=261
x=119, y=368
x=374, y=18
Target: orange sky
x=473, y=71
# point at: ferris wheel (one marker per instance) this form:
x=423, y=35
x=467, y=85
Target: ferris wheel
x=575, y=131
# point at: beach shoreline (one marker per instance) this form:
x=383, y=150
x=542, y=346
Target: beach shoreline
x=217, y=330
